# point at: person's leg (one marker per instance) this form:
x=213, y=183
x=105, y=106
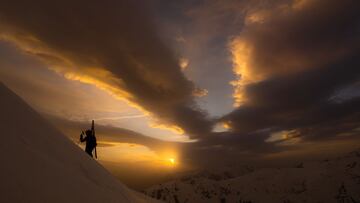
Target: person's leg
x=88, y=150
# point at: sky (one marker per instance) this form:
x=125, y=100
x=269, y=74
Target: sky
x=197, y=83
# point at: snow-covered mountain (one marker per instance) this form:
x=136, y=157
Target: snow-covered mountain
x=326, y=181
x=39, y=164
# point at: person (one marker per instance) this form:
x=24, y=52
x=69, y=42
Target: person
x=90, y=140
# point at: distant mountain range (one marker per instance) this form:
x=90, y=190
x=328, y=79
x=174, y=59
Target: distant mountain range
x=327, y=181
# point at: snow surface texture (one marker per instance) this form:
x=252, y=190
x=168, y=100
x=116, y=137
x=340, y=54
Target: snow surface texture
x=40, y=164
x=327, y=181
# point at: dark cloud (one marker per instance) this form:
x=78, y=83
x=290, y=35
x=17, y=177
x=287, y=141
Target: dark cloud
x=292, y=101
x=306, y=54
x=117, y=36
x=290, y=40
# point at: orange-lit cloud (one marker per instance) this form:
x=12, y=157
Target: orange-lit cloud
x=183, y=63
x=285, y=137
x=227, y=125
x=173, y=128
x=198, y=92
x=117, y=59
x=272, y=30
x=241, y=51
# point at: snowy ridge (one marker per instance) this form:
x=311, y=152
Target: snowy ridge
x=39, y=164
x=327, y=181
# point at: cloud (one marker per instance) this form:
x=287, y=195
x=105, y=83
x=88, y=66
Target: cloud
x=114, y=46
x=290, y=39
x=291, y=62
x=297, y=67
x=183, y=63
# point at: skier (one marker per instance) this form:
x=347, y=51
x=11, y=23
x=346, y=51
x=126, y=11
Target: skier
x=90, y=140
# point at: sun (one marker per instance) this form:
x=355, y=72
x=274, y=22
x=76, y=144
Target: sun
x=172, y=160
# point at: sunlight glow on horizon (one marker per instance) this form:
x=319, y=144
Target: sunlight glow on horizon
x=135, y=153
x=172, y=160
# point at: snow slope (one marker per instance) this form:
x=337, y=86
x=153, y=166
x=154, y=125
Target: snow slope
x=326, y=181
x=39, y=164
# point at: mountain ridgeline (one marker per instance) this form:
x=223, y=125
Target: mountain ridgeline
x=326, y=181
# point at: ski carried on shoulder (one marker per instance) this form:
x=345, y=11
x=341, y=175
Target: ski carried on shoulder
x=93, y=133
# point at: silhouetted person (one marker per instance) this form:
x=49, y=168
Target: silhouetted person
x=90, y=140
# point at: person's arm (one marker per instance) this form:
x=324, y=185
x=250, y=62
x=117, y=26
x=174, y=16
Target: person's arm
x=82, y=139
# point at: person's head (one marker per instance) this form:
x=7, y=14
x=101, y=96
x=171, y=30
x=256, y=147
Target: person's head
x=88, y=132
